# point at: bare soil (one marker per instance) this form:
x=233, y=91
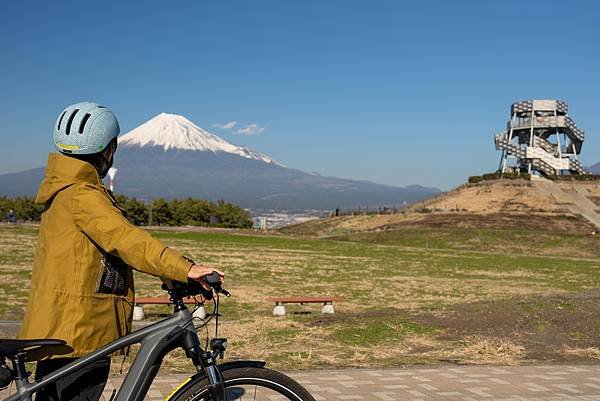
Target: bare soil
x=558, y=329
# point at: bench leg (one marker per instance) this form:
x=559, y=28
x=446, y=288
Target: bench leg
x=328, y=309
x=279, y=310
x=200, y=313
x=138, y=312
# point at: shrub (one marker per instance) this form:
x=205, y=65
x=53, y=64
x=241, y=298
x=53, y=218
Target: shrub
x=574, y=177
x=491, y=176
x=497, y=175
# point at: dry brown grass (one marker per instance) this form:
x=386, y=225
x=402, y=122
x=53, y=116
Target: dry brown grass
x=589, y=352
x=484, y=350
x=16, y=258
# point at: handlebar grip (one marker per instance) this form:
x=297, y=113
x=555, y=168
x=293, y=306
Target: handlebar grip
x=212, y=279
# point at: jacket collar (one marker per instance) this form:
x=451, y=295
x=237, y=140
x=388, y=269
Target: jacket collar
x=70, y=167
x=63, y=171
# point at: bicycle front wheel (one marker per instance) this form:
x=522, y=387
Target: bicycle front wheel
x=252, y=384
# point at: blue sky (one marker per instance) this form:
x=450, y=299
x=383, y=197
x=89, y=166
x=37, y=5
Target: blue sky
x=397, y=92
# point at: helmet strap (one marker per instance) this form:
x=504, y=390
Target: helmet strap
x=107, y=159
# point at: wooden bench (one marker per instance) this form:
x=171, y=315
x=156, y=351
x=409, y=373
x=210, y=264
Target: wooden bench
x=327, y=301
x=138, y=309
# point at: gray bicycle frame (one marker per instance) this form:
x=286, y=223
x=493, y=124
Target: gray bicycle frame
x=156, y=340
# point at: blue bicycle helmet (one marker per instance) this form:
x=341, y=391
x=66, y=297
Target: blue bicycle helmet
x=85, y=128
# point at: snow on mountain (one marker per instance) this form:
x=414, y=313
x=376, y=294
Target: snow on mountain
x=172, y=131
x=170, y=157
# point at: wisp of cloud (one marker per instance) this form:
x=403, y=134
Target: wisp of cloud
x=228, y=125
x=250, y=129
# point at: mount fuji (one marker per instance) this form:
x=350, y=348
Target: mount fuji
x=171, y=131
x=171, y=157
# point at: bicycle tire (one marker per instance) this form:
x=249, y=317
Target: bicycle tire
x=258, y=378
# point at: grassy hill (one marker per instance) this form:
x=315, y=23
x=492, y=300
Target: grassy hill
x=496, y=205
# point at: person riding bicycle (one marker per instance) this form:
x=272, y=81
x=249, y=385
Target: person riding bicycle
x=82, y=282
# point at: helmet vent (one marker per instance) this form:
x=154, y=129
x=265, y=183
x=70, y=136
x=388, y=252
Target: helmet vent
x=71, y=121
x=61, y=118
x=83, y=121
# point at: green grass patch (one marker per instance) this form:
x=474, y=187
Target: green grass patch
x=376, y=331
x=485, y=240
x=281, y=335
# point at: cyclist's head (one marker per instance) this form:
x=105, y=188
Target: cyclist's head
x=88, y=131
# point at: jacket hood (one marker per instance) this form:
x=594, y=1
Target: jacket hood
x=63, y=171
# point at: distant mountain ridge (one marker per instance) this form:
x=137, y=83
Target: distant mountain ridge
x=595, y=168
x=171, y=157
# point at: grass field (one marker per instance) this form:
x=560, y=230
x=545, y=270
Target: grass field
x=468, y=297
x=514, y=241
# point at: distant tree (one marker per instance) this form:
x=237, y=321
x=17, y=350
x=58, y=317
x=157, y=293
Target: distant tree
x=195, y=212
x=137, y=212
x=5, y=205
x=161, y=213
x=25, y=209
x=232, y=216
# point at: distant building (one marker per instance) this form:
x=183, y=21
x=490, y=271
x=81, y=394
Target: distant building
x=541, y=137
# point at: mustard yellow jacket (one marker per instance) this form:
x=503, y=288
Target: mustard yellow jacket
x=81, y=231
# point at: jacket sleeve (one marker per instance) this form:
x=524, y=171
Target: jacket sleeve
x=96, y=216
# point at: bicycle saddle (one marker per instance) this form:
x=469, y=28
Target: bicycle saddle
x=34, y=349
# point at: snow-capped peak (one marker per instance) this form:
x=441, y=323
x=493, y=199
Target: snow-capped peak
x=172, y=131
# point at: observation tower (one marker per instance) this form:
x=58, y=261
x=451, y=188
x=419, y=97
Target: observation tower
x=541, y=137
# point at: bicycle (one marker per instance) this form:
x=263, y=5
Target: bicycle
x=227, y=381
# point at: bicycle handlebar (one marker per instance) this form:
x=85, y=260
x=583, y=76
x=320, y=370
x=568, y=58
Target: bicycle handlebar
x=179, y=290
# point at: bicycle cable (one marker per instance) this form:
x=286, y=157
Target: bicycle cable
x=205, y=321
x=216, y=314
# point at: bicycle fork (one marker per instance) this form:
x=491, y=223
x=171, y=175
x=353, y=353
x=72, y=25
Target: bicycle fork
x=206, y=360
x=216, y=387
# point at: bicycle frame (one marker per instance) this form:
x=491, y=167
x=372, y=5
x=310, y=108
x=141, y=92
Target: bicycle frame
x=156, y=341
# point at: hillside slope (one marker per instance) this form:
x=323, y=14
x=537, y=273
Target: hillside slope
x=515, y=204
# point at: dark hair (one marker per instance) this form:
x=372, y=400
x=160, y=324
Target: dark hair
x=95, y=159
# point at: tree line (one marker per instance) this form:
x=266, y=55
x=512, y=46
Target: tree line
x=159, y=212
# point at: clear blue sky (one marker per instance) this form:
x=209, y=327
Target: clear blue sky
x=397, y=92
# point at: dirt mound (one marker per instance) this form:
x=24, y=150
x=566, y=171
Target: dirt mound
x=489, y=204
x=510, y=196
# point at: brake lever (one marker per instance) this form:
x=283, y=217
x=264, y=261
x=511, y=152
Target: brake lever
x=199, y=288
x=214, y=280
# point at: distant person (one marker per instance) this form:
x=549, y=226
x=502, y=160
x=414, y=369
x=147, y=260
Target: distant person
x=337, y=211
x=82, y=283
x=10, y=217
